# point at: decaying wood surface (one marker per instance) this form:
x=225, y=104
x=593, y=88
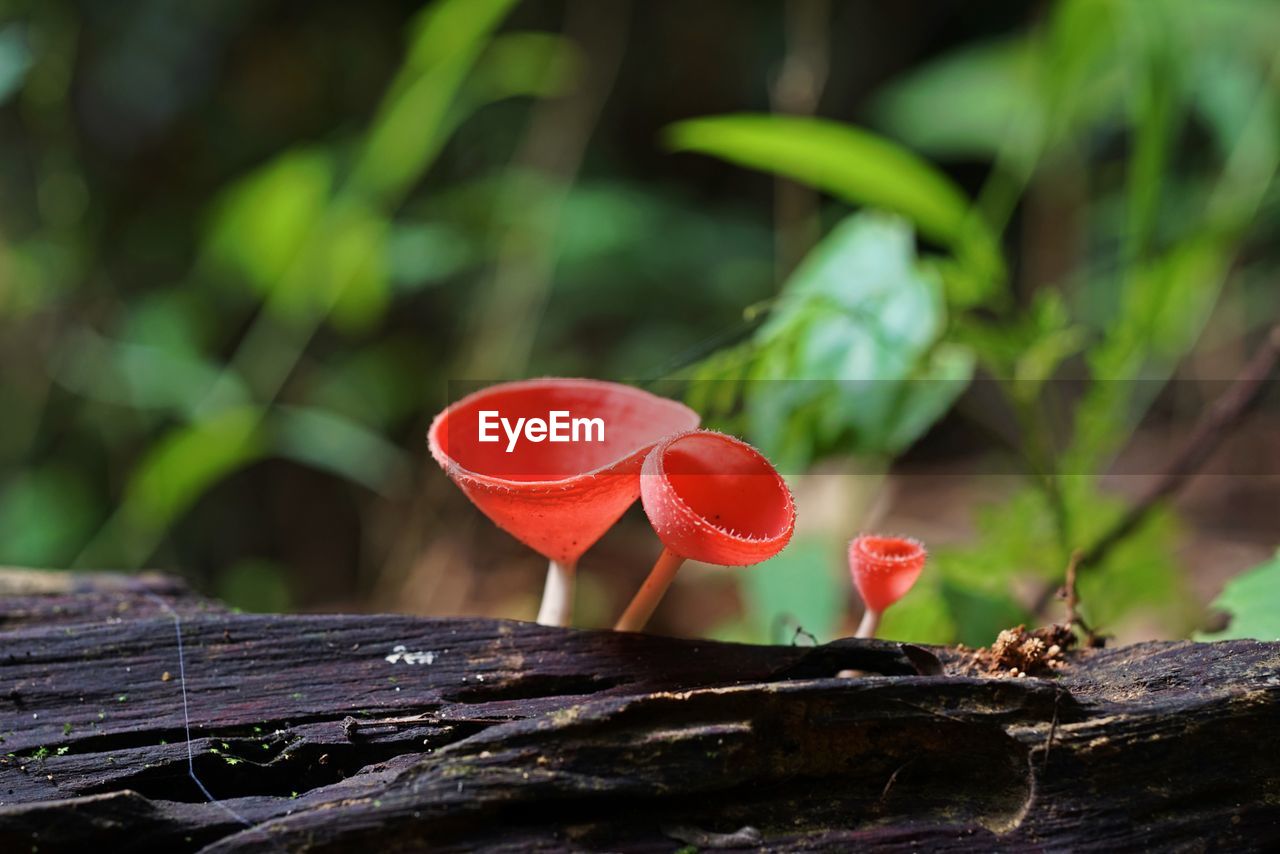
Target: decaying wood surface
x=392, y=733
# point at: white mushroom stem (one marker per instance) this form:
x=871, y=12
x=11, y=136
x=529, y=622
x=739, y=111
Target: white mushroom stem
x=557, y=596
x=870, y=622
x=650, y=594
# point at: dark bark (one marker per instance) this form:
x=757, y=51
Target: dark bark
x=512, y=735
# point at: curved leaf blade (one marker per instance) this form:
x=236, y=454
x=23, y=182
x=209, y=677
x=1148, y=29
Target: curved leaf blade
x=840, y=159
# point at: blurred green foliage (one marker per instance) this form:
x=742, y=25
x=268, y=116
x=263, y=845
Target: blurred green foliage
x=850, y=357
x=200, y=281
x=242, y=252
x=1033, y=106
x=307, y=233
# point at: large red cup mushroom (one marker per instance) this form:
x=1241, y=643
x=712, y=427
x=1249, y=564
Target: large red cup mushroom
x=883, y=569
x=558, y=498
x=713, y=498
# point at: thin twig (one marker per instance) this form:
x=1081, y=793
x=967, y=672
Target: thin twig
x=1227, y=412
x=1072, y=595
x=802, y=632
x=892, y=779
x=352, y=725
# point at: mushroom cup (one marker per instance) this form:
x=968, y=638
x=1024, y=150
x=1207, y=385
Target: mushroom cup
x=712, y=498
x=556, y=498
x=883, y=570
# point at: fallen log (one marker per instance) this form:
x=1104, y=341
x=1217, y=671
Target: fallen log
x=394, y=733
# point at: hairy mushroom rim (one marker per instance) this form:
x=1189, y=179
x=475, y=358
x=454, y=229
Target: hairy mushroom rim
x=712, y=498
x=883, y=570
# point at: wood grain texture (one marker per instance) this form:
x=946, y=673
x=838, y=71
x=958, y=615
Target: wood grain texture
x=392, y=733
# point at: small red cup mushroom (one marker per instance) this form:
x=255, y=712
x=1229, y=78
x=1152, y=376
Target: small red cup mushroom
x=713, y=498
x=558, y=498
x=883, y=569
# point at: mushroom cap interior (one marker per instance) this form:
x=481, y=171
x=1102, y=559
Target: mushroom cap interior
x=633, y=420
x=558, y=499
x=716, y=499
x=885, y=568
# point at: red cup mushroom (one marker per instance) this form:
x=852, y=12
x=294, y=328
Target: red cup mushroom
x=713, y=498
x=557, y=497
x=883, y=569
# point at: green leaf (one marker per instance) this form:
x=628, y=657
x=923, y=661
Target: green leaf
x=1087, y=50
x=1164, y=306
x=863, y=272
x=972, y=102
x=846, y=161
x=180, y=320
x=144, y=376
x=264, y=220
x=1026, y=350
x=1245, y=30
x=1225, y=94
x=1140, y=577
x=849, y=358
x=329, y=442
x=185, y=463
x=540, y=65
x=373, y=385
x=800, y=587
x=978, y=614
x=1252, y=599
x=1156, y=107
x=356, y=268
x=312, y=248
x=921, y=616
x=420, y=254
x=46, y=512
x=920, y=401
x=1053, y=340
x=414, y=118
x=15, y=60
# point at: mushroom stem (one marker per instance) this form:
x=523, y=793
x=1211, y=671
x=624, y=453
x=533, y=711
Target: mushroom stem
x=557, y=596
x=870, y=622
x=650, y=594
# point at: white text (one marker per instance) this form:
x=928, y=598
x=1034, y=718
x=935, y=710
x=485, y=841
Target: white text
x=558, y=426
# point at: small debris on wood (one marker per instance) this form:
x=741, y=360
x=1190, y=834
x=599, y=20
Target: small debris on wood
x=351, y=725
x=1019, y=653
x=1092, y=639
